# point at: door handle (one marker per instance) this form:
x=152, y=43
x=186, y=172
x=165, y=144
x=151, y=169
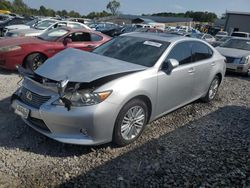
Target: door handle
x=191, y=70
x=213, y=64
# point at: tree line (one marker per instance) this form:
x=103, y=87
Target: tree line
x=197, y=16
x=19, y=7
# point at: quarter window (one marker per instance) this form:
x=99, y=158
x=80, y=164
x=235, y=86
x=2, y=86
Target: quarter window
x=95, y=37
x=182, y=53
x=200, y=52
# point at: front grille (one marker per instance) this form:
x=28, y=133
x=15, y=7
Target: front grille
x=33, y=99
x=38, y=123
x=230, y=59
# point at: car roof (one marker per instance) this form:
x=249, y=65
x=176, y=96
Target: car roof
x=156, y=36
x=71, y=30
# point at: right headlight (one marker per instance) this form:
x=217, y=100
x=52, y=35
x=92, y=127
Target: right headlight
x=244, y=60
x=84, y=98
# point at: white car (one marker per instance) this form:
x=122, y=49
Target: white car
x=44, y=26
x=27, y=25
x=241, y=34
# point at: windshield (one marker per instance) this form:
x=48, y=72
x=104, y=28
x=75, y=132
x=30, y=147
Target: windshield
x=45, y=24
x=31, y=23
x=135, y=50
x=196, y=35
x=53, y=35
x=237, y=43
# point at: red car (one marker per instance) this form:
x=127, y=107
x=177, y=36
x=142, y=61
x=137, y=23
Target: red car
x=31, y=52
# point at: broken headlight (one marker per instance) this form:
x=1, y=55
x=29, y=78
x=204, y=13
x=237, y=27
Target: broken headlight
x=79, y=98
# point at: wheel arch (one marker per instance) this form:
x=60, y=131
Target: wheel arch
x=25, y=58
x=220, y=76
x=145, y=99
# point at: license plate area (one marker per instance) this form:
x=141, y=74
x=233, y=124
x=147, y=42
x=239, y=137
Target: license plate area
x=22, y=111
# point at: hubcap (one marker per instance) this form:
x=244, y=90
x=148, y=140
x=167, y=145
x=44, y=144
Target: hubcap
x=132, y=122
x=213, y=89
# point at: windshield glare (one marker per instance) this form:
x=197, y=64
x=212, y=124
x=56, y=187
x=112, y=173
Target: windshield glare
x=135, y=50
x=237, y=43
x=53, y=35
x=44, y=24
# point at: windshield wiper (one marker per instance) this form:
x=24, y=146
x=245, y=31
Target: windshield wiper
x=41, y=38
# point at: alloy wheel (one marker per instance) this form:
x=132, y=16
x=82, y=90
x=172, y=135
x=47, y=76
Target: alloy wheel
x=213, y=89
x=132, y=123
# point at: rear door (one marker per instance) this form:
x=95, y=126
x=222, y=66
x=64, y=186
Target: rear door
x=203, y=65
x=176, y=88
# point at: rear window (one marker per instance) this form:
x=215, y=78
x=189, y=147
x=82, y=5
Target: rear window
x=239, y=35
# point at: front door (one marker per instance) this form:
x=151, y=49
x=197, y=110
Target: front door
x=175, y=89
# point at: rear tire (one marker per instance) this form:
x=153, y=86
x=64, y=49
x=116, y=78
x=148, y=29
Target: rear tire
x=212, y=91
x=33, y=61
x=130, y=122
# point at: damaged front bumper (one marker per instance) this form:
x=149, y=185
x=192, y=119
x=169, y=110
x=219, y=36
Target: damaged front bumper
x=87, y=125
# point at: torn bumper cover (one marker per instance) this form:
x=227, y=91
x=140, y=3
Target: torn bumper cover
x=88, y=125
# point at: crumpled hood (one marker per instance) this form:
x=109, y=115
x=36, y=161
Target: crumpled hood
x=84, y=67
x=230, y=52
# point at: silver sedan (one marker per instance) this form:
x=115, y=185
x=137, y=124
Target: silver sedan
x=112, y=93
x=237, y=52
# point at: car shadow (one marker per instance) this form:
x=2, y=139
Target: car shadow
x=14, y=133
x=212, y=151
x=237, y=75
x=7, y=72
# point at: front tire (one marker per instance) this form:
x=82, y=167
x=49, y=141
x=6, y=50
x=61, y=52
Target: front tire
x=213, y=89
x=130, y=122
x=33, y=61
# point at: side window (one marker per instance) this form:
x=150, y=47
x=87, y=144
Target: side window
x=95, y=37
x=201, y=51
x=182, y=53
x=80, y=37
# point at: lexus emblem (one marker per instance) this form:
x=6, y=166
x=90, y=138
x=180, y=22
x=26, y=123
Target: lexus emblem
x=29, y=95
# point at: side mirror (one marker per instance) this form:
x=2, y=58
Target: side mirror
x=66, y=41
x=170, y=65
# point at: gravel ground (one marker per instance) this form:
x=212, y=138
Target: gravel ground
x=200, y=145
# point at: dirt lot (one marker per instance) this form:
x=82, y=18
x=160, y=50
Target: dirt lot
x=200, y=145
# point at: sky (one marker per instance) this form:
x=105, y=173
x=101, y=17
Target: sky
x=145, y=6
